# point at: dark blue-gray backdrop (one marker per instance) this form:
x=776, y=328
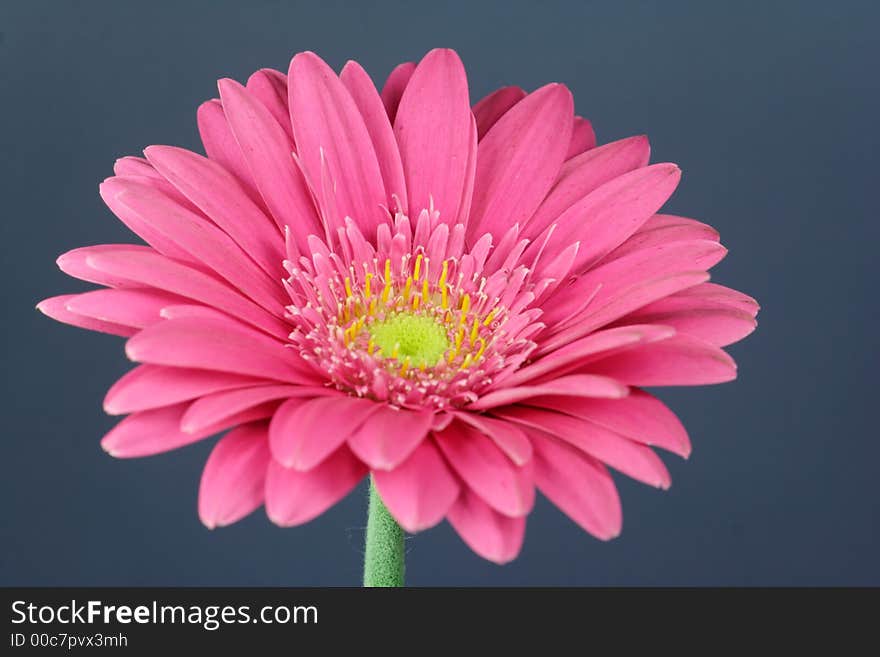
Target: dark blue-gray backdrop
x=771, y=110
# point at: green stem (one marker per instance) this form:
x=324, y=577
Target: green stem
x=383, y=562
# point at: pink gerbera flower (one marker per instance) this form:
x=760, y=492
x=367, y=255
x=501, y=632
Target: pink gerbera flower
x=463, y=301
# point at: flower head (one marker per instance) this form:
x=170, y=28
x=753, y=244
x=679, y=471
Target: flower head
x=463, y=301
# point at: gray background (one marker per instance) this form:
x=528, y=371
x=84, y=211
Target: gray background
x=769, y=108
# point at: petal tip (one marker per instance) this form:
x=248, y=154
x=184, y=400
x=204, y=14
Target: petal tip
x=111, y=408
x=277, y=520
x=228, y=86
x=108, y=447
x=131, y=351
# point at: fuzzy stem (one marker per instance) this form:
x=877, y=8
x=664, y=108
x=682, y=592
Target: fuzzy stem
x=383, y=562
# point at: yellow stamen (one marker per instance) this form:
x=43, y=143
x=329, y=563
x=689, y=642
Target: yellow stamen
x=474, y=330
x=425, y=291
x=442, y=284
x=489, y=318
x=481, y=349
x=465, y=306
x=369, y=279
x=348, y=293
x=418, y=266
x=404, y=367
x=408, y=287
x=370, y=346
x=395, y=350
x=466, y=362
x=415, y=301
x=386, y=292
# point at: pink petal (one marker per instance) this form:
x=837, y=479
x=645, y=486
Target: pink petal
x=75, y=263
x=216, y=407
x=717, y=326
x=234, y=478
x=216, y=192
x=135, y=166
x=221, y=146
x=673, y=228
x=306, y=431
x=419, y=491
x=148, y=268
x=491, y=535
x=579, y=485
x=270, y=88
x=267, y=151
x=328, y=128
x=507, y=436
x=150, y=432
x=486, y=470
x=389, y=436
x=193, y=310
x=158, y=182
x=582, y=137
x=110, y=190
x=606, y=217
x=609, y=279
x=491, y=108
x=640, y=417
x=631, y=458
x=467, y=192
x=204, y=242
x=394, y=86
x=663, y=229
x=432, y=127
x=555, y=269
x=678, y=361
x=56, y=308
x=719, y=296
x=224, y=346
x=578, y=385
x=362, y=90
x=623, y=302
x=137, y=308
x=576, y=353
x=294, y=497
x=586, y=173
x=519, y=159
x=152, y=386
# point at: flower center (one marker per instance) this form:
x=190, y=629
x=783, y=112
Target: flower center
x=412, y=318
x=419, y=338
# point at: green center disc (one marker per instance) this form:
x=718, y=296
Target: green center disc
x=418, y=337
